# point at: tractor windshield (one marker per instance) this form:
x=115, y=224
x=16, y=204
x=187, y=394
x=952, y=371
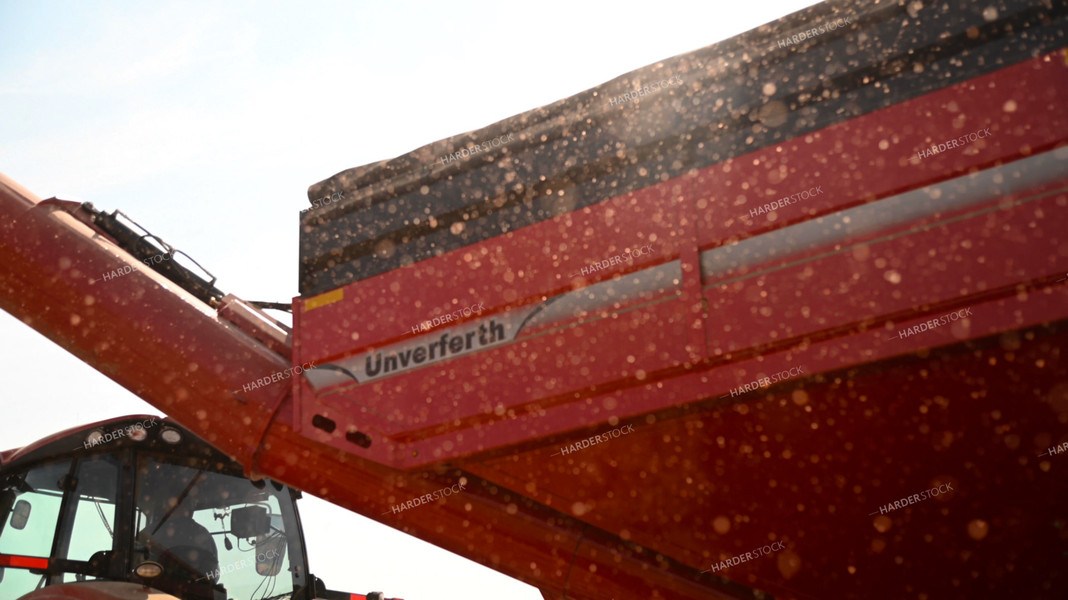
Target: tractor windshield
x=210, y=531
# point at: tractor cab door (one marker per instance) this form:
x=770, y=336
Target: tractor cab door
x=57, y=523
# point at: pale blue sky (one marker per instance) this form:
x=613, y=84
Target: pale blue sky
x=207, y=121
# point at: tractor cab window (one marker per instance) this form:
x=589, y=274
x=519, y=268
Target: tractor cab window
x=214, y=536
x=87, y=534
x=29, y=513
x=44, y=541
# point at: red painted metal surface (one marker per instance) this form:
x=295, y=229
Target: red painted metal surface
x=509, y=411
x=502, y=397
x=23, y=562
x=51, y=280
x=702, y=478
x=173, y=352
x=102, y=590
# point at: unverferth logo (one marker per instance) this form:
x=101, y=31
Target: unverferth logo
x=485, y=335
x=423, y=350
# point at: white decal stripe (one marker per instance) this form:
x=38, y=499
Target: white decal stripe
x=502, y=328
x=720, y=265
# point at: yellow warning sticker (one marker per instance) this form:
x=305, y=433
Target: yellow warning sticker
x=324, y=299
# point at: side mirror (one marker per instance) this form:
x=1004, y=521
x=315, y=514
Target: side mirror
x=249, y=522
x=269, y=555
x=20, y=515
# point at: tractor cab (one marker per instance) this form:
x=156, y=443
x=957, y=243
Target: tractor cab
x=140, y=502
